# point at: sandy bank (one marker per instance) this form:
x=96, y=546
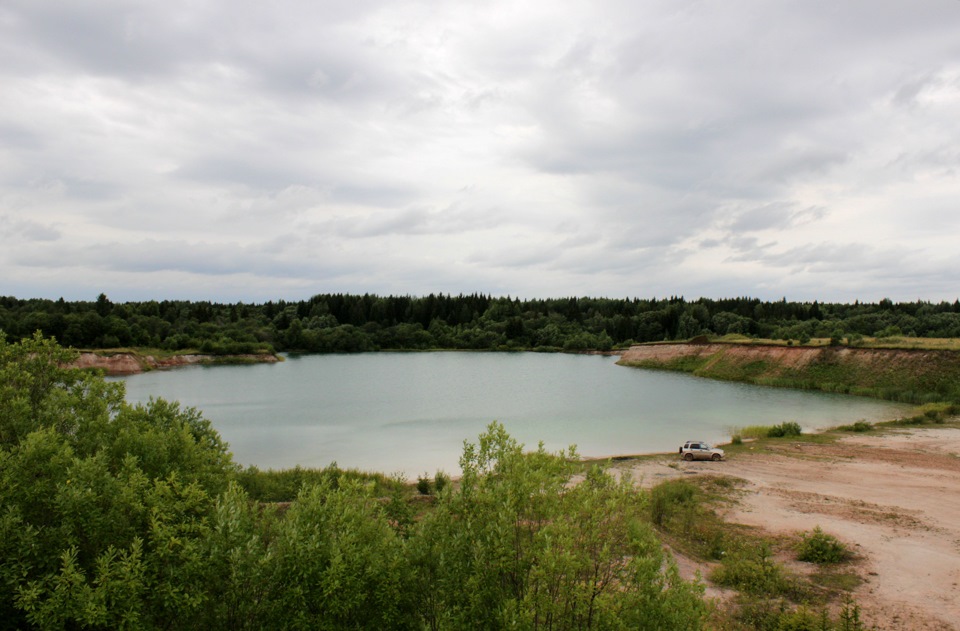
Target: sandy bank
x=132, y=363
x=894, y=497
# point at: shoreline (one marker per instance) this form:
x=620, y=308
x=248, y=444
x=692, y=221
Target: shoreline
x=128, y=363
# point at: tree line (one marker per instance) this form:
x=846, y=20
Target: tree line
x=355, y=323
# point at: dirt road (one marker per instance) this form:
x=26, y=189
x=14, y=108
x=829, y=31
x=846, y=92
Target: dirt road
x=894, y=498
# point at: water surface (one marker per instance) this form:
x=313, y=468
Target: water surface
x=411, y=412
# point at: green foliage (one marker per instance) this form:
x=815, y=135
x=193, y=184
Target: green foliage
x=755, y=431
x=423, y=484
x=285, y=484
x=849, y=619
x=440, y=481
x=858, y=426
x=787, y=428
x=820, y=547
x=671, y=498
x=931, y=413
x=333, y=323
x=103, y=503
x=753, y=571
x=339, y=563
x=517, y=546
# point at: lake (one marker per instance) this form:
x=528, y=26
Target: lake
x=410, y=412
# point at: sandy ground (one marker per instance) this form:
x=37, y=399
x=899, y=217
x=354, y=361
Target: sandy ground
x=894, y=498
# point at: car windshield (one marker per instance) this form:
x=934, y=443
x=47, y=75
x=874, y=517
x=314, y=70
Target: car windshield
x=705, y=446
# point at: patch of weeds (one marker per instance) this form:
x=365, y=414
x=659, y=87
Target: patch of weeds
x=671, y=501
x=821, y=548
x=937, y=413
x=859, y=426
x=836, y=581
x=684, y=512
x=753, y=571
x=766, y=614
x=721, y=488
x=755, y=431
x=780, y=617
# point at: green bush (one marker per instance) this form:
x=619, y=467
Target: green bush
x=859, y=426
x=787, y=428
x=753, y=571
x=819, y=547
x=440, y=481
x=423, y=484
x=516, y=545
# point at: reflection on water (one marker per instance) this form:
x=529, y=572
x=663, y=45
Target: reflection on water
x=411, y=412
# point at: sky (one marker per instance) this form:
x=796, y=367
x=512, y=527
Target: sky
x=232, y=150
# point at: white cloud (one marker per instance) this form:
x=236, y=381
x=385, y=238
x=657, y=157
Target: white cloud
x=805, y=150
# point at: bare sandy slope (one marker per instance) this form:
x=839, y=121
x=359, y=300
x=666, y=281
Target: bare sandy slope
x=894, y=498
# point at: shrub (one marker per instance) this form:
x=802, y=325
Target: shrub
x=787, y=428
x=819, y=547
x=753, y=571
x=423, y=484
x=859, y=426
x=440, y=481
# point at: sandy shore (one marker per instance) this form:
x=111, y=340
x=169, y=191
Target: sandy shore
x=893, y=497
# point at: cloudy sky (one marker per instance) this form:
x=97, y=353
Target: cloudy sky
x=237, y=150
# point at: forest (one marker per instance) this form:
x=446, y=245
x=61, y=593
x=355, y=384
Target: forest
x=353, y=323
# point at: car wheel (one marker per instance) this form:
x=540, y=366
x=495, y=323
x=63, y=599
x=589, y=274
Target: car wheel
x=688, y=457
x=716, y=457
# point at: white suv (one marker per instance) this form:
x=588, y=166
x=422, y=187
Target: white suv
x=699, y=450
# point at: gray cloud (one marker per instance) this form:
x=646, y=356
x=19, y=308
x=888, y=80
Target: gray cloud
x=13, y=229
x=614, y=148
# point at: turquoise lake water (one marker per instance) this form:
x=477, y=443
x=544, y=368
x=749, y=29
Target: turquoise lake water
x=410, y=412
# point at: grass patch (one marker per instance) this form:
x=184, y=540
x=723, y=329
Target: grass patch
x=938, y=413
x=684, y=513
x=787, y=428
x=836, y=581
x=755, y=431
x=859, y=426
